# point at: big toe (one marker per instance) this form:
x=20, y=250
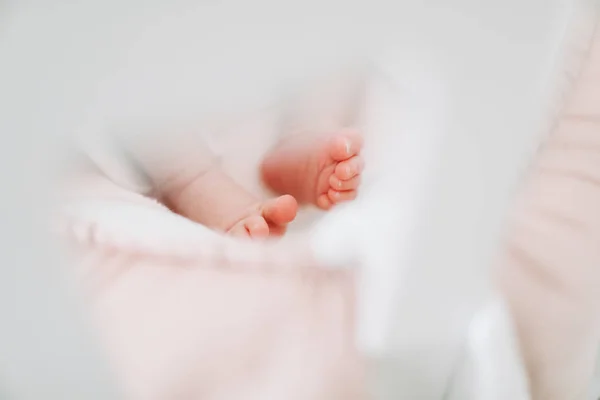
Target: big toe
x=348, y=169
x=280, y=210
x=345, y=145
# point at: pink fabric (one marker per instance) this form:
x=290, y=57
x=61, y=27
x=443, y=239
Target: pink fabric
x=207, y=327
x=551, y=273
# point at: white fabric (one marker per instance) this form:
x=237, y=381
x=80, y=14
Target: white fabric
x=450, y=66
x=435, y=280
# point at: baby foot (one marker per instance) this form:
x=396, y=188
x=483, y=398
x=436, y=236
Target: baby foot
x=269, y=218
x=322, y=170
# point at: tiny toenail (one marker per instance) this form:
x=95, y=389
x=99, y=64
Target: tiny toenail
x=348, y=145
x=339, y=184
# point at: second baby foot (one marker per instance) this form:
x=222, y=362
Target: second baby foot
x=269, y=218
x=319, y=170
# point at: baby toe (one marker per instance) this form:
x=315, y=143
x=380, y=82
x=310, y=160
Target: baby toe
x=350, y=168
x=323, y=202
x=281, y=210
x=254, y=226
x=338, y=197
x=345, y=146
x=238, y=230
x=257, y=227
x=342, y=185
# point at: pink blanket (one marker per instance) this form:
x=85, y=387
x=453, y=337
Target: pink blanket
x=201, y=324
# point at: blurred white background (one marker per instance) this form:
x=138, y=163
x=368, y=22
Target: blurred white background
x=474, y=76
